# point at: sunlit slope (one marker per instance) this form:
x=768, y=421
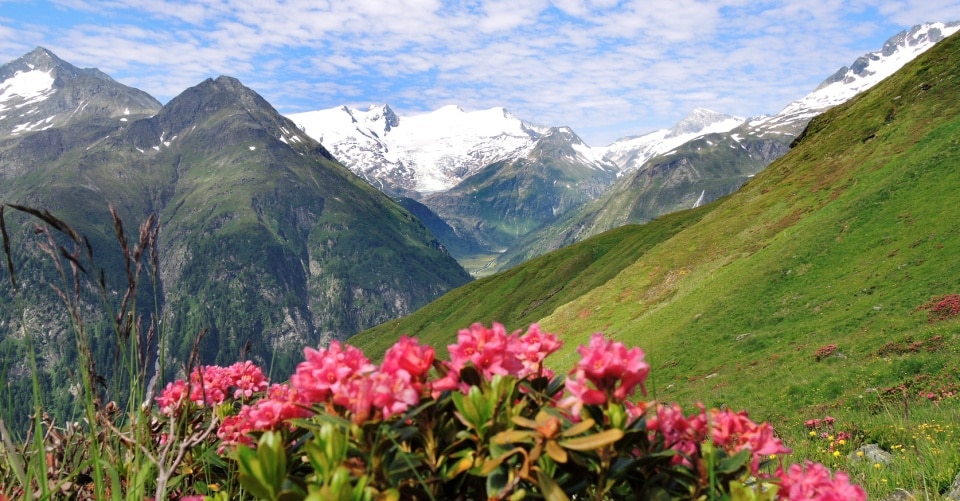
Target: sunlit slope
x=835, y=243
x=524, y=294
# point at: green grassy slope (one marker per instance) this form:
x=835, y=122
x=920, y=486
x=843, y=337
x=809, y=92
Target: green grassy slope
x=835, y=243
x=524, y=294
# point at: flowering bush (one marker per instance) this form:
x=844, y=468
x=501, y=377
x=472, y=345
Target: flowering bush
x=942, y=307
x=490, y=423
x=824, y=352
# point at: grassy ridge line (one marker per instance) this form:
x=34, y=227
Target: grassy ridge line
x=837, y=242
x=522, y=295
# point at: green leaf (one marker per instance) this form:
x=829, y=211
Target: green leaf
x=466, y=410
x=549, y=488
x=497, y=481
x=493, y=463
x=462, y=465
x=578, y=428
x=264, y=470
x=556, y=452
x=525, y=422
x=734, y=463
x=593, y=442
x=251, y=473
x=512, y=436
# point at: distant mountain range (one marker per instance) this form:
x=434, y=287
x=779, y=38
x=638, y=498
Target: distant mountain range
x=839, y=243
x=431, y=158
x=423, y=153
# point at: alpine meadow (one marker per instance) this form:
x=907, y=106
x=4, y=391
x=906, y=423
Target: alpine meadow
x=804, y=293
x=201, y=301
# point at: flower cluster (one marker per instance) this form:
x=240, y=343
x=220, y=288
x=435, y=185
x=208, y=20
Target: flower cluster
x=824, y=352
x=925, y=386
x=812, y=481
x=281, y=403
x=342, y=376
x=493, y=352
x=822, y=430
x=494, y=425
x=211, y=385
x=942, y=308
x=612, y=370
x=731, y=431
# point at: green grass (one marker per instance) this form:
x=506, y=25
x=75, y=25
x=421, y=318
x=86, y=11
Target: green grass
x=837, y=243
x=920, y=437
x=523, y=294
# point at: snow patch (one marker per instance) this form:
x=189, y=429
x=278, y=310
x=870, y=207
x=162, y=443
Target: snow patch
x=30, y=86
x=30, y=126
x=632, y=152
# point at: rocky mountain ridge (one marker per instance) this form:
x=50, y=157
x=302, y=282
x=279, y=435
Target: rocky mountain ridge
x=266, y=243
x=40, y=91
x=419, y=154
x=709, y=155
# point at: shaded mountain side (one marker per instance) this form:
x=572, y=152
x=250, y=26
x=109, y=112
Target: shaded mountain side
x=455, y=243
x=500, y=204
x=836, y=243
x=694, y=174
x=266, y=242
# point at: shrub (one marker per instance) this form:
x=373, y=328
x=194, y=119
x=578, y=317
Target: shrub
x=942, y=307
x=492, y=423
x=824, y=352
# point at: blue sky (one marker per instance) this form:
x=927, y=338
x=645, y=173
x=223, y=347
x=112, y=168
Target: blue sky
x=606, y=68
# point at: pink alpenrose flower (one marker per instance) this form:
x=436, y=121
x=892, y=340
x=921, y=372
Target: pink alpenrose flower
x=325, y=369
x=812, y=482
x=612, y=369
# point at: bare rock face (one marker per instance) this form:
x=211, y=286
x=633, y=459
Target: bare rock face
x=954, y=493
x=872, y=453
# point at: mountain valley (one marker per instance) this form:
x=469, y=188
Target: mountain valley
x=838, y=247
x=706, y=155
x=268, y=243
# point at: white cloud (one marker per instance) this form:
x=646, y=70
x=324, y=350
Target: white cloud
x=591, y=64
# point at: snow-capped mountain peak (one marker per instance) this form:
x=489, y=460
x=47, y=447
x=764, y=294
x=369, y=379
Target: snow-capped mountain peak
x=702, y=121
x=27, y=81
x=39, y=91
x=419, y=153
x=562, y=143
x=632, y=152
x=867, y=71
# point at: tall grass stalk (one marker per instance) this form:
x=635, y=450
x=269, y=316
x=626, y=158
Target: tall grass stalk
x=115, y=439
